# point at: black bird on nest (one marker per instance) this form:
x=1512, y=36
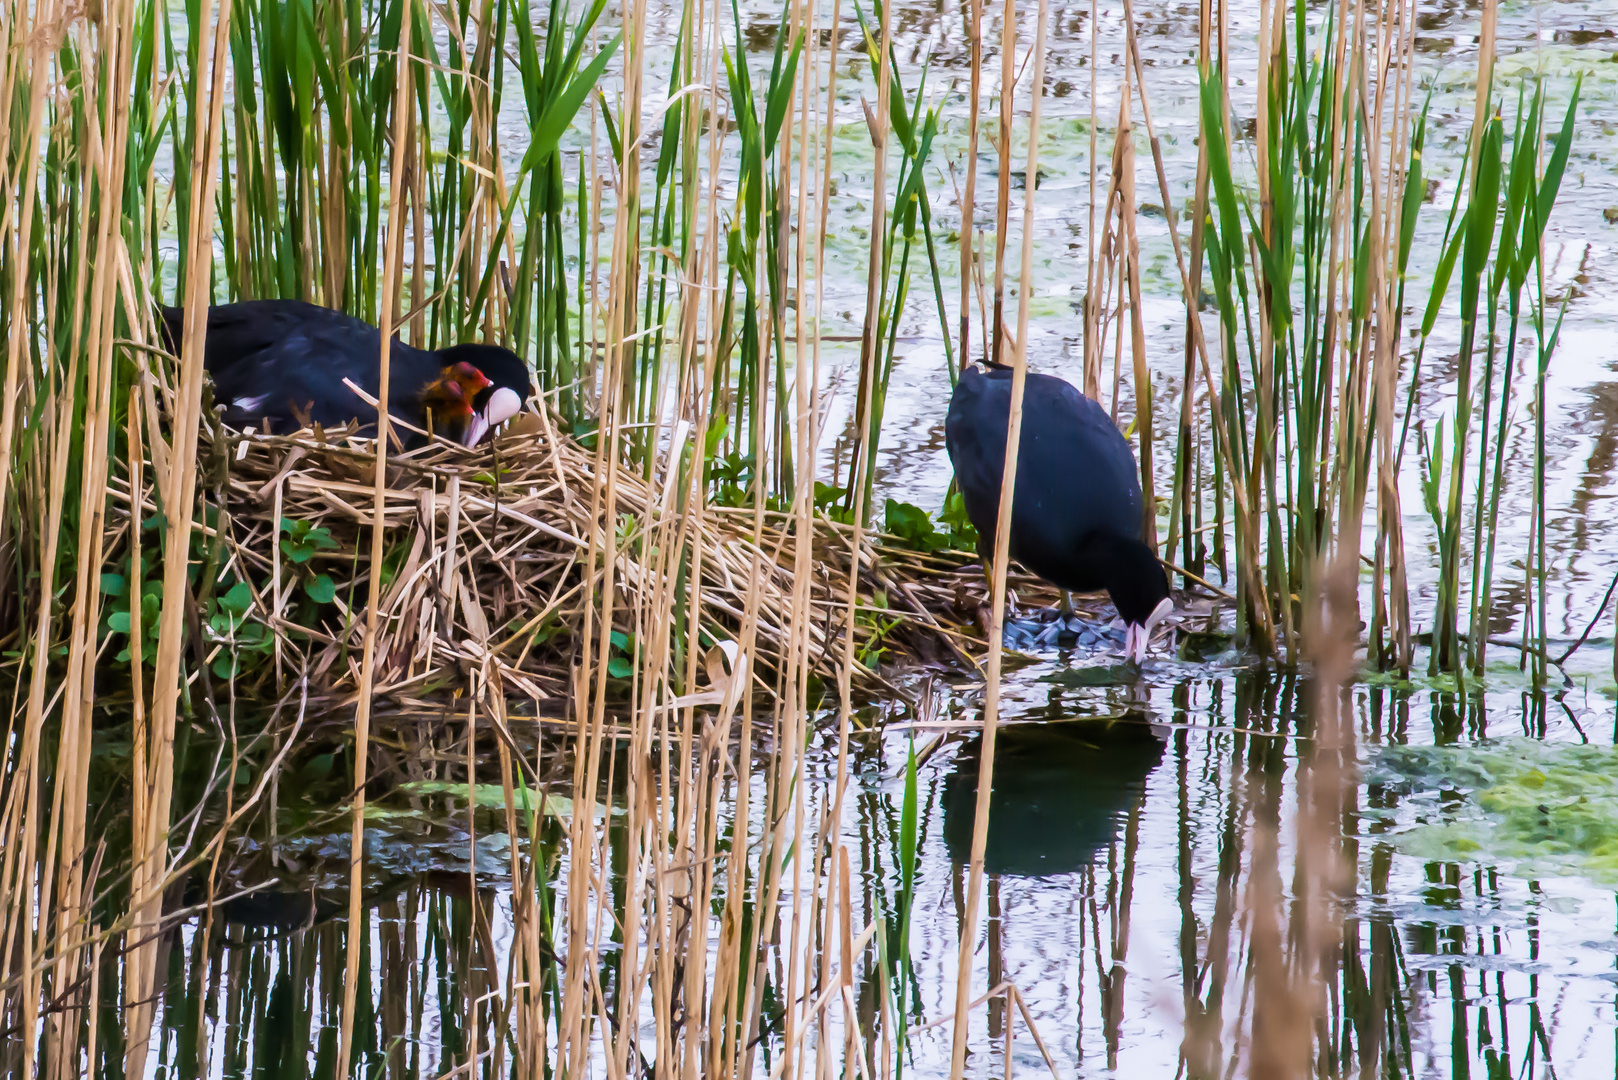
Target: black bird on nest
x=283, y=364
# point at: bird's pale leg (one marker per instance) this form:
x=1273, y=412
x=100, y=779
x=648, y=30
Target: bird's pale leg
x=1065, y=605
x=984, y=609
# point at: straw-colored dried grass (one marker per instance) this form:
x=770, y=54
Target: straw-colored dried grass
x=493, y=572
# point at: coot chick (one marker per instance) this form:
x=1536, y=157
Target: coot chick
x=281, y=364
x=1076, y=511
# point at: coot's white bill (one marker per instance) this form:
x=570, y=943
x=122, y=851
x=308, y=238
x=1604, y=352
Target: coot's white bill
x=1138, y=636
x=504, y=403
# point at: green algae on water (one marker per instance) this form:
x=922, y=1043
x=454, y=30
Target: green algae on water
x=1536, y=809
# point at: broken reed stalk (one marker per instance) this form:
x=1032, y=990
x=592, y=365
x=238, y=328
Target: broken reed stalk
x=1002, y=536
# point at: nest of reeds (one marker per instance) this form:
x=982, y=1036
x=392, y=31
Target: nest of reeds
x=487, y=557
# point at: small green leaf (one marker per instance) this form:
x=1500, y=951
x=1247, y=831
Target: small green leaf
x=320, y=589
x=224, y=666
x=909, y=523
x=118, y=622
x=620, y=640
x=620, y=668
x=238, y=599
x=298, y=553
x=716, y=432
x=114, y=584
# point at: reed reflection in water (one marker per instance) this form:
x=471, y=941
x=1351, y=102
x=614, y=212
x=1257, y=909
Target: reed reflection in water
x=1122, y=852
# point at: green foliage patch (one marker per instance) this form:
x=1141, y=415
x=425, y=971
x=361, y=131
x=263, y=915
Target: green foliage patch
x=1535, y=808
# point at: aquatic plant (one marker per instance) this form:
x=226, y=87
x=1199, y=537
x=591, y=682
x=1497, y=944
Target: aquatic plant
x=1536, y=809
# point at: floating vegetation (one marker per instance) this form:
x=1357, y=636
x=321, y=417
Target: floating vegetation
x=1539, y=809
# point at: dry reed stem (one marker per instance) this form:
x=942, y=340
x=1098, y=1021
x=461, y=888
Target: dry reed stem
x=1092, y=344
x=180, y=488
x=29, y=51
x=392, y=268
x=793, y=705
x=105, y=170
x=1002, y=536
x=1137, y=324
x=1002, y=201
x=968, y=198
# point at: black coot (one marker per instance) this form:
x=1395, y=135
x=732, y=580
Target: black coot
x=1076, y=511
x=277, y=364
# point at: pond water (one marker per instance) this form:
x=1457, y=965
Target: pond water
x=1124, y=814
x=1125, y=817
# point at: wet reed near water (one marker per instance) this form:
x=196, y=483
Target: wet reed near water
x=660, y=259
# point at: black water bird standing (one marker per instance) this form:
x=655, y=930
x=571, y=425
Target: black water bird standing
x=282, y=363
x=1076, y=510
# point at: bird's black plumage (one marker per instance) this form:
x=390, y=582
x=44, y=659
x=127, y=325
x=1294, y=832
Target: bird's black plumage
x=1076, y=513
x=284, y=361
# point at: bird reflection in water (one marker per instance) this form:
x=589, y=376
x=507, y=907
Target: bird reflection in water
x=1061, y=793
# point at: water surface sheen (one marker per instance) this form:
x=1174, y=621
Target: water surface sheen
x=1130, y=818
